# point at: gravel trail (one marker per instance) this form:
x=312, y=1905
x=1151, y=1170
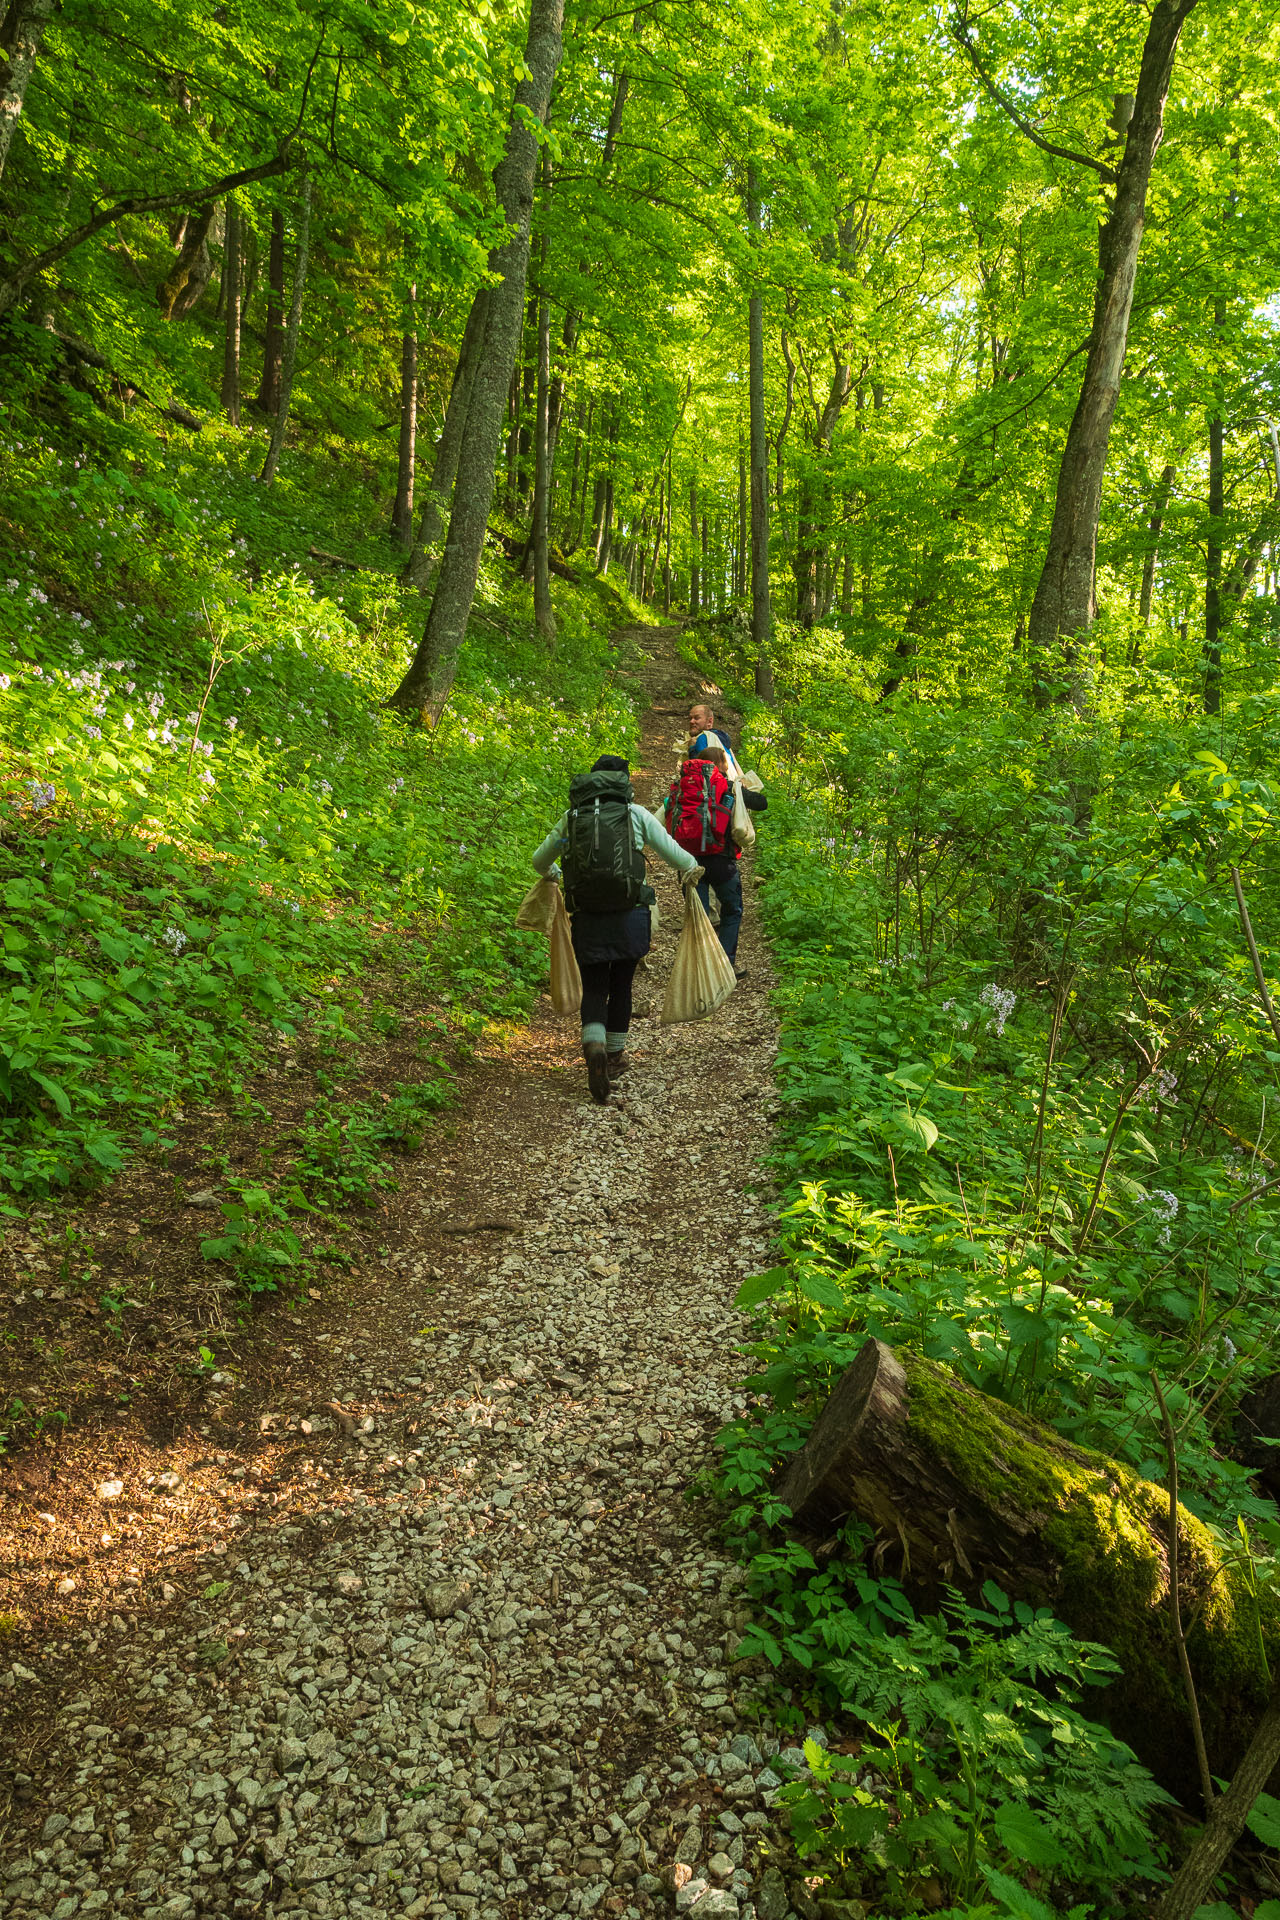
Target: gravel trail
x=485, y=1672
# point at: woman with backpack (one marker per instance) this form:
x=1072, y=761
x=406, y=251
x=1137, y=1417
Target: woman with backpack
x=600, y=843
x=699, y=814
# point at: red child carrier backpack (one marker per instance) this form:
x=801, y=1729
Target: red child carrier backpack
x=699, y=808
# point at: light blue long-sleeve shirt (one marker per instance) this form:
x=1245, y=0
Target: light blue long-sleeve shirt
x=649, y=832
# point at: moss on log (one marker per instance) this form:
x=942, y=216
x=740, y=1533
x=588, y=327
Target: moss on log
x=967, y=1489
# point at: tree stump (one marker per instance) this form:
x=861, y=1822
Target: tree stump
x=962, y=1489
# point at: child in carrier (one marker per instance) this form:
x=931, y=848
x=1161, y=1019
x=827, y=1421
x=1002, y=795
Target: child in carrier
x=699, y=816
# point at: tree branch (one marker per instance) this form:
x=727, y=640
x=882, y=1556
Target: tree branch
x=958, y=27
x=14, y=284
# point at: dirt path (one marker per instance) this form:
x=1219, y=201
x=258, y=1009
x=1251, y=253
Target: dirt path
x=444, y=1625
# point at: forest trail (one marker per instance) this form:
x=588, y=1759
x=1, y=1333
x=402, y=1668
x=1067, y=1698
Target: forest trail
x=458, y=1643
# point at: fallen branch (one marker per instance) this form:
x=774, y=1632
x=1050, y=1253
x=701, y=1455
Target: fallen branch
x=90, y=357
x=339, y=560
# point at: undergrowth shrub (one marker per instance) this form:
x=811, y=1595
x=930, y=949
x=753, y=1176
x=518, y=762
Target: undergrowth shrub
x=1028, y=1117
x=212, y=830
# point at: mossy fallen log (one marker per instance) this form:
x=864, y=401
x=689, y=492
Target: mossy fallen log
x=962, y=1489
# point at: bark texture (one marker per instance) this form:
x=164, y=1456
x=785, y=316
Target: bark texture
x=24, y=29
x=966, y=1489
x=268, y=399
x=431, y=525
x=426, y=685
x=289, y=359
x=402, y=511
x=1064, y=604
x=180, y=290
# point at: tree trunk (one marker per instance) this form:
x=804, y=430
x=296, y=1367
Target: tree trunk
x=426, y=685
x=579, y=478
x=1213, y=550
x=966, y=1489
x=543, y=614
x=20, y=41
x=1155, y=527
x=268, y=399
x=231, y=318
x=761, y=611
x=419, y=566
x=1193, y=1882
x=402, y=511
x=289, y=358
x=695, y=576
x=1064, y=603
x=740, y=557
x=808, y=522
x=187, y=278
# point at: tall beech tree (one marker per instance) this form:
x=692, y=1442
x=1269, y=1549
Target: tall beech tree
x=426, y=684
x=1065, y=600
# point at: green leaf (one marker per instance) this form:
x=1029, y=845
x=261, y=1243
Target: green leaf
x=1025, y=1835
x=1014, y=1898
x=820, y=1288
x=761, y=1286
x=1263, y=1820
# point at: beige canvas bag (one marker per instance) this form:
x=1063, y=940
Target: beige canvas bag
x=543, y=911
x=702, y=976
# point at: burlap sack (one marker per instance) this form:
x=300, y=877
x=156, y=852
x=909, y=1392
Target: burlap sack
x=702, y=976
x=566, y=980
x=538, y=908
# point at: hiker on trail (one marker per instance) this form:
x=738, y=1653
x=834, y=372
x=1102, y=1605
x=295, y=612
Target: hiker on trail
x=703, y=732
x=699, y=814
x=601, y=843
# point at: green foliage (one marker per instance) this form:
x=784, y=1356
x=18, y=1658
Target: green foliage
x=214, y=832
x=1027, y=1093
x=977, y=1765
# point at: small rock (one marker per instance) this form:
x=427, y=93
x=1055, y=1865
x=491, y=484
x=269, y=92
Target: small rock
x=719, y=1900
x=487, y=1725
x=688, y=1894
x=111, y=1489
x=206, y=1197
x=224, y=1834
x=843, y=1909
x=771, y=1896
x=66, y=1584
x=347, y=1583
x=767, y=1780
x=169, y=1482
x=372, y=1831
x=720, y=1867
x=441, y=1599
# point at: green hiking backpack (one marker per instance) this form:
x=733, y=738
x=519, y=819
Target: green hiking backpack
x=603, y=868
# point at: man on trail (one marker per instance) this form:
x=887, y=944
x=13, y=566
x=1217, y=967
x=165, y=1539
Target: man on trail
x=699, y=814
x=601, y=841
x=703, y=732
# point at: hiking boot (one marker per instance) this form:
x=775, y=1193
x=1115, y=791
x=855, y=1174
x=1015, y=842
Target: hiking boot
x=617, y=1064
x=597, y=1072
x=739, y=973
